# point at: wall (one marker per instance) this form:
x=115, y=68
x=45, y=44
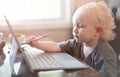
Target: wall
x=77, y=3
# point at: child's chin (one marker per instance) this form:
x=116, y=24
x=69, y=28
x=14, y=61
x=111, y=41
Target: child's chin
x=76, y=40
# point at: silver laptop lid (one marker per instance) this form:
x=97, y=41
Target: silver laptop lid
x=14, y=48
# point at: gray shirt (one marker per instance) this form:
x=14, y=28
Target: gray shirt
x=103, y=58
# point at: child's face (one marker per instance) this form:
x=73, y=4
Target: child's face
x=84, y=32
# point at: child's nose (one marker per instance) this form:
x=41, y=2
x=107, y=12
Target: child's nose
x=75, y=30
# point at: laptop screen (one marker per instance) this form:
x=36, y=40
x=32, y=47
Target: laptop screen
x=13, y=53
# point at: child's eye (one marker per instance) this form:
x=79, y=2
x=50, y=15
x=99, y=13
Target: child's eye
x=80, y=26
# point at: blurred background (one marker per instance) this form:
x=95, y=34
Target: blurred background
x=52, y=17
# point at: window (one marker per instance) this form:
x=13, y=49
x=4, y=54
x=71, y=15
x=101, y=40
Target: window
x=28, y=11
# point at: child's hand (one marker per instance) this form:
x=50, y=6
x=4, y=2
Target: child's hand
x=30, y=40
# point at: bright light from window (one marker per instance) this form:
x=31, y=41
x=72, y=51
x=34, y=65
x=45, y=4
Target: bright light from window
x=30, y=9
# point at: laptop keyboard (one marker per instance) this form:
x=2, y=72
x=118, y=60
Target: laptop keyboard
x=47, y=61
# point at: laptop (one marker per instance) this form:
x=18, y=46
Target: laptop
x=13, y=53
x=38, y=60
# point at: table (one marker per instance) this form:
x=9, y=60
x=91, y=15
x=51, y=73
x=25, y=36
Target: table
x=21, y=69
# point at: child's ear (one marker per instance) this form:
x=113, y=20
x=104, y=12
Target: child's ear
x=99, y=29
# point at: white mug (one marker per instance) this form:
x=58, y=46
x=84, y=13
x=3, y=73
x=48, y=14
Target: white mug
x=20, y=37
